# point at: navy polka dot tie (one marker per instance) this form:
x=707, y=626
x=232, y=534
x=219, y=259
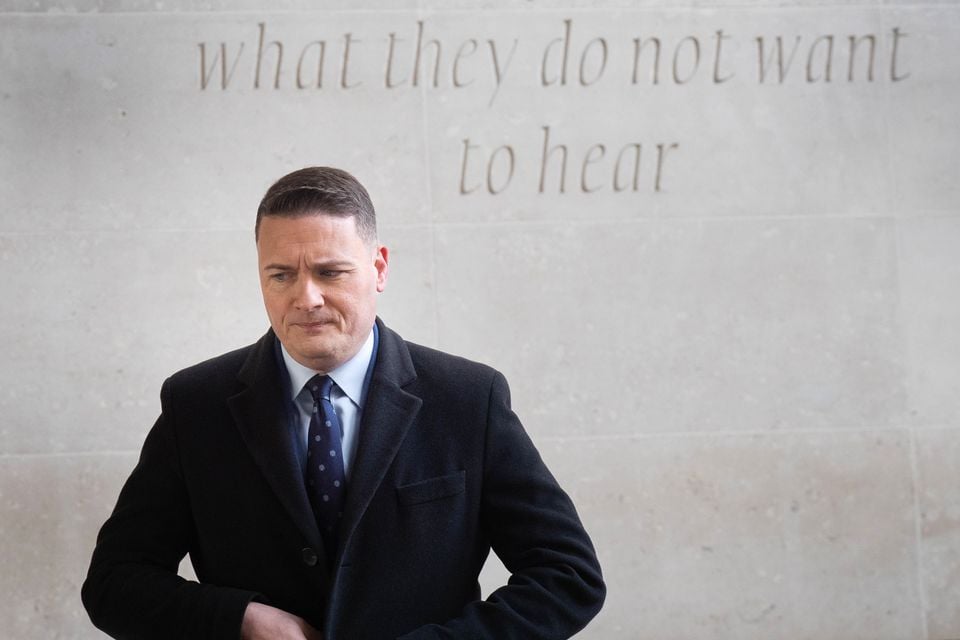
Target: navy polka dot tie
x=325, y=476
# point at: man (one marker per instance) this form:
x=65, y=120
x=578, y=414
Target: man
x=332, y=480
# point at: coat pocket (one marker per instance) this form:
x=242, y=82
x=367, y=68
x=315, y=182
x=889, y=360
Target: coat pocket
x=432, y=489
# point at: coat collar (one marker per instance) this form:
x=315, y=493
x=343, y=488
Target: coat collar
x=388, y=413
x=259, y=413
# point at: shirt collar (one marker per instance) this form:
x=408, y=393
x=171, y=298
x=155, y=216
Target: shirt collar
x=349, y=376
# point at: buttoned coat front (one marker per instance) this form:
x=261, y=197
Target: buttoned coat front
x=443, y=472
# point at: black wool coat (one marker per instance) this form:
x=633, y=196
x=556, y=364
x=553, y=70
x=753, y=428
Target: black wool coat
x=443, y=473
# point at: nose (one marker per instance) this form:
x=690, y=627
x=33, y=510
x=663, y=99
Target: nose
x=309, y=295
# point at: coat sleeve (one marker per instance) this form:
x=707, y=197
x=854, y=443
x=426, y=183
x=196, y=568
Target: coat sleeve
x=132, y=590
x=556, y=586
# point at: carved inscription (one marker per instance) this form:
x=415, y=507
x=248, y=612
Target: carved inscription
x=327, y=63
x=425, y=58
x=564, y=168
x=420, y=59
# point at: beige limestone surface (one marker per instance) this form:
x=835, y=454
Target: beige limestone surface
x=714, y=245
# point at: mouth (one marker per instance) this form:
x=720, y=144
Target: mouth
x=311, y=326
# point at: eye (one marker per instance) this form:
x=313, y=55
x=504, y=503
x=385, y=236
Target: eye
x=280, y=276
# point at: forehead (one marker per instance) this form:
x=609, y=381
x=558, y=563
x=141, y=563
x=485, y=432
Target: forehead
x=317, y=231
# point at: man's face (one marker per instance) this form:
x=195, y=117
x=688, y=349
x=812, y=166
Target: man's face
x=320, y=283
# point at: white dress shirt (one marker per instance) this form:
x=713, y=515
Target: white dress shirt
x=346, y=396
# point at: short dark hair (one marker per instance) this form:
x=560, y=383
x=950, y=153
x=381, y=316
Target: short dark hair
x=320, y=191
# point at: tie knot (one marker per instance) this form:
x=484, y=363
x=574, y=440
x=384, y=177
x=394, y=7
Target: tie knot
x=319, y=387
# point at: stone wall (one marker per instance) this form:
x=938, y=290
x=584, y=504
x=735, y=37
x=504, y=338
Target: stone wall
x=714, y=246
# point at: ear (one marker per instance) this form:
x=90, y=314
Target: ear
x=380, y=260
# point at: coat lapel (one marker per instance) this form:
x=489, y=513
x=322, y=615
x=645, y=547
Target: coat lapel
x=388, y=413
x=260, y=416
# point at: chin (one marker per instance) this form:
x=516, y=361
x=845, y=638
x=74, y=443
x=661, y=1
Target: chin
x=319, y=354
x=309, y=352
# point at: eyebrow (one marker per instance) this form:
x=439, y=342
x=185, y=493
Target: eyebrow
x=329, y=264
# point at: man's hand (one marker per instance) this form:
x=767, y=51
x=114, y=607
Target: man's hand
x=263, y=622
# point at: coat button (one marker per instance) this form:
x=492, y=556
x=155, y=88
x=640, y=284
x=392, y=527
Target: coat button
x=309, y=556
